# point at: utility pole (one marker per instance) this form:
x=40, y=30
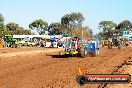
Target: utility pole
x=82, y=32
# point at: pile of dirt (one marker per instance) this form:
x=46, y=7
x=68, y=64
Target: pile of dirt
x=28, y=51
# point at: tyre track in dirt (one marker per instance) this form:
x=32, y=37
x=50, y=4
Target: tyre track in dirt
x=112, y=67
x=115, y=71
x=69, y=74
x=126, y=69
x=21, y=64
x=59, y=72
x=10, y=62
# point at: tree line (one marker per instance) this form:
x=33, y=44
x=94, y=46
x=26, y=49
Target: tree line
x=69, y=25
x=109, y=28
x=11, y=28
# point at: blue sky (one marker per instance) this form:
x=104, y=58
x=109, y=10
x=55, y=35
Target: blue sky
x=24, y=12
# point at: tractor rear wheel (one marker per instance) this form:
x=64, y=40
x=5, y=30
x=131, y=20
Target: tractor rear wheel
x=83, y=52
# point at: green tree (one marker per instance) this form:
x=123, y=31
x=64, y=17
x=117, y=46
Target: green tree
x=39, y=25
x=99, y=35
x=71, y=21
x=81, y=32
x=4, y=31
x=107, y=28
x=14, y=28
x=124, y=25
x=89, y=31
x=56, y=28
x=22, y=31
x=1, y=21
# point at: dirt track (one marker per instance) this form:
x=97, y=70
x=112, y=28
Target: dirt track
x=49, y=71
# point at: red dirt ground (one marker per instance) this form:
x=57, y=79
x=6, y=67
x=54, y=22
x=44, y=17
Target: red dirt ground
x=48, y=71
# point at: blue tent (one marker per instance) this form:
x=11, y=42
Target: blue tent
x=52, y=39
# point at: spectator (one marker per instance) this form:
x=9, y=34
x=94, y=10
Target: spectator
x=59, y=43
x=66, y=44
